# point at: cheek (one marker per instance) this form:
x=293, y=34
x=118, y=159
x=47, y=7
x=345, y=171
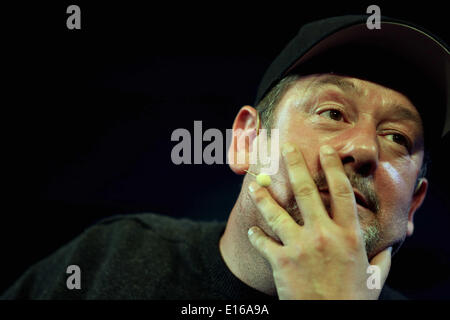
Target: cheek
x=394, y=186
x=395, y=198
x=295, y=132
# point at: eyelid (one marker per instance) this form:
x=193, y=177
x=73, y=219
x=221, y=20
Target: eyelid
x=332, y=103
x=409, y=142
x=337, y=107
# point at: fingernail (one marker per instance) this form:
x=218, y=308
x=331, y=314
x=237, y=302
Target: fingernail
x=326, y=150
x=287, y=147
x=250, y=231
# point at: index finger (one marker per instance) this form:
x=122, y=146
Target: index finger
x=304, y=188
x=343, y=203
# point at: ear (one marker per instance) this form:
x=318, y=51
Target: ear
x=244, y=133
x=418, y=198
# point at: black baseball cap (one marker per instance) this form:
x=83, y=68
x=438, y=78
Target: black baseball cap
x=399, y=55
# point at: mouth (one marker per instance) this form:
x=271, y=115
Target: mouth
x=359, y=197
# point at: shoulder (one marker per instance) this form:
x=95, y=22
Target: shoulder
x=147, y=223
x=123, y=256
x=148, y=226
x=151, y=256
x=139, y=241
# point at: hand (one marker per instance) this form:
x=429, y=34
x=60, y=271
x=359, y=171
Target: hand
x=326, y=257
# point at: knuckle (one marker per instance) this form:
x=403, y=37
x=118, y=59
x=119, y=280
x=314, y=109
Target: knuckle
x=259, y=196
x=272, y=220
x=304, y=190
x=277, y=222
x=343, y=190
x=283, y=261
x=320, y=243
x=353, y=239
x=294, y=160
x=296, y=253
x=321, y=239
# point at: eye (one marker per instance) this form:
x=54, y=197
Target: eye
x=399, y=139
x=333, y=114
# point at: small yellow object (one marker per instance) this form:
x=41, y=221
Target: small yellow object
x=263, y=180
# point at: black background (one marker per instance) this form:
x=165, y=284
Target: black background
x=89, y=114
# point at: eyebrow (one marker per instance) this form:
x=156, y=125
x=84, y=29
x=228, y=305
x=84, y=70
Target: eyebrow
x=343, y=84
x=404, y=113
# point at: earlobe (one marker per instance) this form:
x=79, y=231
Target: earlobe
x=410, y=228
x=418, y=198
x=245, y=130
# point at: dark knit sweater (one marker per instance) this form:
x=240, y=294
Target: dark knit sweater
x=142, y=256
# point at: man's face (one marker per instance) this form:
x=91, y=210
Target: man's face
x=378, y=134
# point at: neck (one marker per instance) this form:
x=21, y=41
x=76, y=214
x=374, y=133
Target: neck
x=239, y=255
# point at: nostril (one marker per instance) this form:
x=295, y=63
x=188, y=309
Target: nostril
x=348, y=159
x=365, y=169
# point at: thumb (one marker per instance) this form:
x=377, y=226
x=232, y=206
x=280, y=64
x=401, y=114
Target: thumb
x=383, y=261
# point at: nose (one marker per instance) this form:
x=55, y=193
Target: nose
x=359, y=149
